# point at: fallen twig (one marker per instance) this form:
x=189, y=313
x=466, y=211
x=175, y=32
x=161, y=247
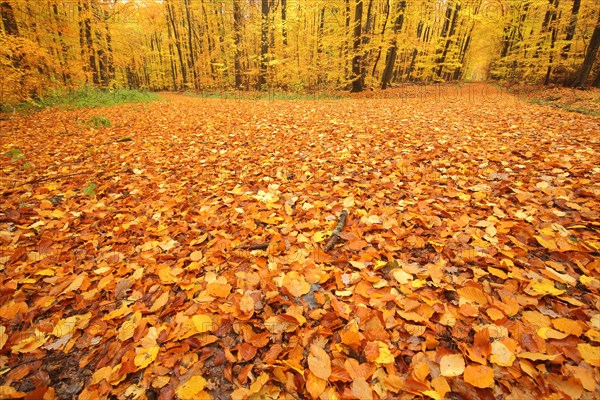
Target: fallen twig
x=335, y=235
x=256, y=246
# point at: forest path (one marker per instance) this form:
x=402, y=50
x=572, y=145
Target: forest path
x=473, y=214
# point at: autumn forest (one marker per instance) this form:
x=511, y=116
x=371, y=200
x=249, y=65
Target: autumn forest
x=298, y=45
x=300, y=199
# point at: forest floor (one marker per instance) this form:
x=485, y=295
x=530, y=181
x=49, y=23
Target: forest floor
x=179, y=252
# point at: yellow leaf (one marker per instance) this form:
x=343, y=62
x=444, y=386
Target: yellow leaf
x=160, y=302
x=3, y=336
x=402, y=277
x=537, y=356
x=75, y=284
x=9, y=392
x=145, y=355
x=549, y=333
x=591, y=354
x=30, y=343
x=57, y=214
x=348, y=202
x=191, y=388
x=432, y=394
x=196, y=255
x=45, y=272
x=319, y=362
x=385, y=355
x=543, y=286
x=68, y=325
x=440, y=385
x=319, y=237
x=452, y=365
x=102, y=373
x=547, y=243
x=202, y=323
x=501, y=355
x=118, y=313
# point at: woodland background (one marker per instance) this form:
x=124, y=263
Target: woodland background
x=291, y=45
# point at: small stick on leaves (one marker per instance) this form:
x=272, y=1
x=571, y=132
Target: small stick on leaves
x=335, y=235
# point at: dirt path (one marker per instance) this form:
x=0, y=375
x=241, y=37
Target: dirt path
x=473, y=218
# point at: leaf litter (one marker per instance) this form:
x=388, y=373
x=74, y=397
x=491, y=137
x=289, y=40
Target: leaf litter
x=197, y=267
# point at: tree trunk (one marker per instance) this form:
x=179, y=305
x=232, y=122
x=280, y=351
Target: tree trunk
x=237, y=27
x=390, y=59
x=190, y=26
x=448, y=33
x=264, y=44
x=385, y=21
x=553, y=36
x=178, y=45
x=357, y=79
x=590, y=56
x=284, y=21
x=597, y=81
x=8, y=19
x=571, y=28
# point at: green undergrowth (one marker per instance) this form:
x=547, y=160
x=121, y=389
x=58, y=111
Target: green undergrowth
x=566, y=107
x=265, y=95
x=88, y=97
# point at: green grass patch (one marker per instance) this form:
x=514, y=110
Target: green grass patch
x=87, y=97
x=580, y=110
x=265, y=95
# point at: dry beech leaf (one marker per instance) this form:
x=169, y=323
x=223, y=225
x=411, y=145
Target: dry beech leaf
x=452, y=365
x=480, y=376
x=319, y=362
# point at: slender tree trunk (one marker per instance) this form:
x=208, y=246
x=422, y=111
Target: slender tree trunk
x=284, y=21
x=571, y=28
x=264, y=44
x=448, y=33
x=178, y=43
x=8, y=19
x=553, y=36
x=590, y=56
x=357, y=79
x=390, y=59
x=385, y=21
x=191, y=44
x=237, y=27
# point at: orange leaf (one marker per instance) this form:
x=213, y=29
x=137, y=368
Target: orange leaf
x=319, y=362
x=480, y=376
x=361, y=389
x=315, y=385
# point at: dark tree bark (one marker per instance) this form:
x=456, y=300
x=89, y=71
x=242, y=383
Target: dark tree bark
x=553, y=37
x=86, y=40
x=264, y=44
x=590, y=56
x=385, y=21
x=448, y=32
x=8, y=19
x=178, y=44
x=571, y=28
x=190, y=27
x=357, y=79
x=237, y=27
x=284, y=21
x=390, y=59
x=596, y=82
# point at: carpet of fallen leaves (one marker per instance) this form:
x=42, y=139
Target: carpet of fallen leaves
x=179, y=252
